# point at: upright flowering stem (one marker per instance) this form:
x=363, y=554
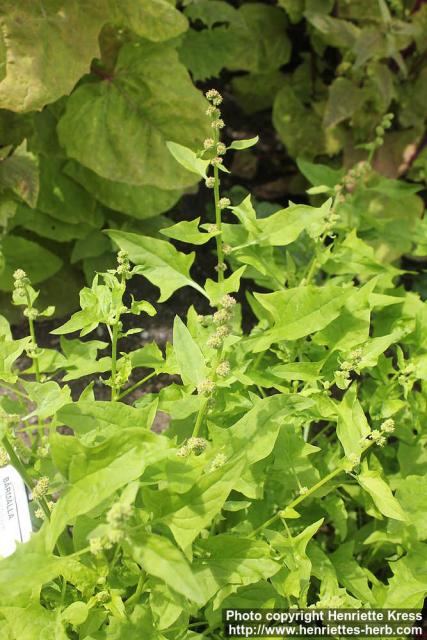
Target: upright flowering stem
x=24, y=295
x=122, y=271
x=33, y=339
x=114, y=339
x=216, y=149
x=218, y=221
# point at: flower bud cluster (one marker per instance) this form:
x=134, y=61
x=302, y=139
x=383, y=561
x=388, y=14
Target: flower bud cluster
x=348, y=184
x=388, y=426
x=32, y=350
x=205, y=387
x=218, y=462
x=377, y=437
x=380, y=130
x=222, y=319
x=343, y=375
x=192, y=445
x=123, y=264
x=117, y=517
x=223, y=369
x=43, y=448
x=214, y=97
x=215, y=162
x=41, y=488
x=20, y=280
x=218, y=123
x=40, y=514
x=102, y=597
x=4, y=458
x=31, y=313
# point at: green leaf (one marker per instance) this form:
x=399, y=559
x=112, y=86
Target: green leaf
x=300, y=311
x=244, y=144
x=161, y=558
x=46, y=50
x=188, y=231
x=82, y=358
x=320, y=173
x=345, y=98
x=217, y=290
x=49, y=397
x=32, y=623
x=155, y=20
x=285, y=226
x=48, y=227
x=187, y=515
x=87, y=415
x=256, y=432
x=35, y=260
x=352, y=425
x=335, y=32
x=142, y=96
x=62, y=198
x=16, y=581
x=265, y=38
x=76, y=613
x=104, y=482
x=350, y=573
x=294, y=578
x=160, y=262
x=10, y=350
x=188, y=159
x=299, y=127
x=298, y=371
x=141, y=202
x=132, y=627
x=148, y=356
x=190, y=359
x=412, y=493
x=233, y=560
x=408, y=586
x=380, y=493
x=20, y=173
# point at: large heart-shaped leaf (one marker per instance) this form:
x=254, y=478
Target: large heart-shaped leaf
x=118, y=127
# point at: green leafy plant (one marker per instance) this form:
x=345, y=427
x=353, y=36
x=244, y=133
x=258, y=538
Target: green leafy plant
x=292, y=471
x=84, y=125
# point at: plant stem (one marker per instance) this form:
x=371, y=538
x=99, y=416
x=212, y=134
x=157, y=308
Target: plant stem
x=135, y=386
x=32, y=334
x=114, y=339
x=298, y=500
x=200, y=416
x=15, y=461
x=340, y=468
x=319, y=433
x=218, y=221
x=133, y=599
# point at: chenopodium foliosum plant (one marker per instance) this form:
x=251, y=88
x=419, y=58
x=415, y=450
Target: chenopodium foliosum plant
x=292, y=471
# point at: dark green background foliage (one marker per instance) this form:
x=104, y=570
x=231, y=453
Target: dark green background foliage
x=90, y=92
x=270, y=449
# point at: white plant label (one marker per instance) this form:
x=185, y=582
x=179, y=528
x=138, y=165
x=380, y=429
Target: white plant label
x=15, y=521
